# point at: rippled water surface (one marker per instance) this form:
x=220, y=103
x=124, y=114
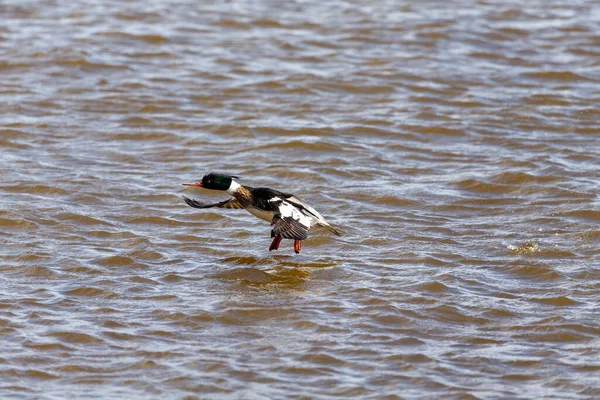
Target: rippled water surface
x=455, y=143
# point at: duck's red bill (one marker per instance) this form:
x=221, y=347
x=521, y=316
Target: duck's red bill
x=199, y=184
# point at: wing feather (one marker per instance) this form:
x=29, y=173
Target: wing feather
x=231, y=203
x=288, y=228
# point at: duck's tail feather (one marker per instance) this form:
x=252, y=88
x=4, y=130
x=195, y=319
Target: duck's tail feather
x=332, y=229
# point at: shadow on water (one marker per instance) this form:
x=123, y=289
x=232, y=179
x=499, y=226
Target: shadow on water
x=278, y=270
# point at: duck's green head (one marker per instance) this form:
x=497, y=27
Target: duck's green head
x=214, y=181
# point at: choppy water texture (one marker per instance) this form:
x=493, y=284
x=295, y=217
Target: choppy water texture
x=454, y=142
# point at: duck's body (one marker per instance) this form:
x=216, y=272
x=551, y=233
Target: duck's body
x=290, y=217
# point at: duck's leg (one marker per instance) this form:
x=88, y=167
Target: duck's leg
x=297, y=246
x=275, y=243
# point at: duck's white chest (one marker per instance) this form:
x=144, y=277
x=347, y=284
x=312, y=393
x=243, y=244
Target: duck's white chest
x=265, y=215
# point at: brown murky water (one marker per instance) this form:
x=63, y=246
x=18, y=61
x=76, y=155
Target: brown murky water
x=456, y=143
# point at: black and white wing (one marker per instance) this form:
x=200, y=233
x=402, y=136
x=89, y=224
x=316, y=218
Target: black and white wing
x=231, y=203
x=311, y=213
x=289, y=222
x=305, y=208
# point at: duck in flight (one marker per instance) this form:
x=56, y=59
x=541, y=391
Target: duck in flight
x=290, y=217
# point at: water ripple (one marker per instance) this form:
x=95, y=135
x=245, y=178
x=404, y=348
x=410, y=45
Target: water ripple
x=455, y=147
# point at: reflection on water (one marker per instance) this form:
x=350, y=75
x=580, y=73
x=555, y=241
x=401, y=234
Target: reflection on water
x=454, y=143
x=276, y=270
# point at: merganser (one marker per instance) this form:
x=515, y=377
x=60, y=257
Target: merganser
x=289, y=216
